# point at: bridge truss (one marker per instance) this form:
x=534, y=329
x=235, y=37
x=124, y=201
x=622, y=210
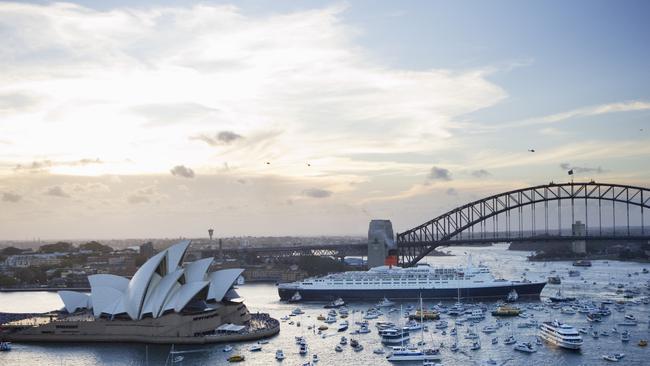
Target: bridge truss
x=478, y=221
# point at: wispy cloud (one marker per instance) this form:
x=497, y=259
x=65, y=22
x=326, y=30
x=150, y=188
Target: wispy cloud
x=219, y=139
x=57, y=191
x=11, y=197
x=581, y=169
x=316, y=193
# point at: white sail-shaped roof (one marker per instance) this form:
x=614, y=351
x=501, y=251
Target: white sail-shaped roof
x=197, y=271
x=139, y=284
x=161, y=284
x=104, y=298
x=153, y=303
x=175, y=254
x=73, y=300
x=108, y=280
x=221, y=281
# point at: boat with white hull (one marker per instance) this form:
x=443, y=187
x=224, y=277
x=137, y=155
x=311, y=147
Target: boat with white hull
x=562, y=335
x=409, y=283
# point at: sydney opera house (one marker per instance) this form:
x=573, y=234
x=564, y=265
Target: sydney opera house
x=164, y=302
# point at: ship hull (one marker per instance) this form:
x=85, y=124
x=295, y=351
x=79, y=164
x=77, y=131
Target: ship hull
x=532, y=289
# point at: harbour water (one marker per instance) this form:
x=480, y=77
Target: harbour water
x=595, y=283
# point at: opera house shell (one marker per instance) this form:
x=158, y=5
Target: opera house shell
x=164, y=302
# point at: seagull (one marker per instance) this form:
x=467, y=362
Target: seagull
x=268, y=163
x=308, y=164
x=531, y=150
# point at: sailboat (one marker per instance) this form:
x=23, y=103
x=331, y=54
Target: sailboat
x=413, y=354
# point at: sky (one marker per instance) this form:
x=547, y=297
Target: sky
x=133, y=119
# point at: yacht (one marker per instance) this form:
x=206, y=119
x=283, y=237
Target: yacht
x=342, y=327
x=385, y=303
x=394, y=336
x=295, y=297
x=227, y=348
x=338, y=348
x=409, y=354
x=614, y=357
x=303, y=349
x=625, y=336
x=314, y=358
x=510, y=340
x=279, y=355
x=255, y=348
x=335, y=304
x=343, y=341
x=411, y=282
x=562, y=335
x=525, y=347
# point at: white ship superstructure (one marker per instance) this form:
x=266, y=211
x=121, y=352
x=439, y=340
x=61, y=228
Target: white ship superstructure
x=562, y=335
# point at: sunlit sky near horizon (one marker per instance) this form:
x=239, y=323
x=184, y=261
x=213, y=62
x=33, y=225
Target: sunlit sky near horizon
x=163, y=118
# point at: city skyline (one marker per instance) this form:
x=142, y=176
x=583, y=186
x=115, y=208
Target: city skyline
x=165, y=118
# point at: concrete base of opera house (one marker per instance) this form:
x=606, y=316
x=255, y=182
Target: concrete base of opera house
x=265, y=327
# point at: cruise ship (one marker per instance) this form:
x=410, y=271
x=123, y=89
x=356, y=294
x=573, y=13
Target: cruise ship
x=422, y=281
x=561, y=335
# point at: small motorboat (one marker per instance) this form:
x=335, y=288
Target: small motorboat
x=236, y=358
x=343, y=341
x=385, y=303
x=510, y=340
x=255, y=348
x=335, y=304
x=296, y=297
x=338, y=348
x=378, y=351
x=613, y=357
x=525, y=347
x=643, y=343
x=227, y=348
x=495, y=340
x=303, y=349
x=358, y=348
x=625, y=336
x=475, y=346
x=279, y=355
x=314, y=358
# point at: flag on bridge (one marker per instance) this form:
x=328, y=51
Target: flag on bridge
x=571, y=172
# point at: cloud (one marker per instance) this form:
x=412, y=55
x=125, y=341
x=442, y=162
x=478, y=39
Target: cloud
x=451, y=192
x=17, y=102
x=596, y=110
x=439, y=174
x=43, y=165
x=316, y=193
x=182, y=171
x=56, y=191
x=11, y=197
x=480, y=173
x=220, y=138
x=144, y=195
x=579, y=169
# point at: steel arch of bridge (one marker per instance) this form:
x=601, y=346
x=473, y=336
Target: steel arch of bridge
x=416, y=243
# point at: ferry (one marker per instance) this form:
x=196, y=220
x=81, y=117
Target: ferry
x=561, y=335
x=408, y=283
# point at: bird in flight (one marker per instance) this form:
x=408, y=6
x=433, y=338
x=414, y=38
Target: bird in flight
x=308, y=164
x=268, y=163
x=531, y=150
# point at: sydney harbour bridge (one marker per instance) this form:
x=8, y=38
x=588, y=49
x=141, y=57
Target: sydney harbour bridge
x=610, y=212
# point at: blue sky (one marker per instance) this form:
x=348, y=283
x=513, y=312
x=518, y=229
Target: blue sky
x=119, y=110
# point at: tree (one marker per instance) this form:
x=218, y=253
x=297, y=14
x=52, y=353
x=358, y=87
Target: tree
x=10, y=251
x=7, y=281
x=60, y=247
x=96, y=247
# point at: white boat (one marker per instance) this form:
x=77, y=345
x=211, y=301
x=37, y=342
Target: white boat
x=401, y=354
x=412, y=325
x=625, y=336
x=512, y=296
x=394, y=336
x=562, y=335
x=303, y=349
x=338, y=348
x=489, y=329
x=263, y=341
x=510, y=340
x=384, y=303
x=296, y=297
x=343, y=341
x=525, y=347
x=475, y=346
x=227, y=348
x=627, y=323
x=495, y=340
x=314, y=358
x=378, y=351
x=297, y=311
x=255, y=348
x=279, y=355
x=342, y=327
x=335, y=304
x=613, y=357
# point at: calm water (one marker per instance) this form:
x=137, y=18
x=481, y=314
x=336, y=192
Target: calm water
x=263, y=297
